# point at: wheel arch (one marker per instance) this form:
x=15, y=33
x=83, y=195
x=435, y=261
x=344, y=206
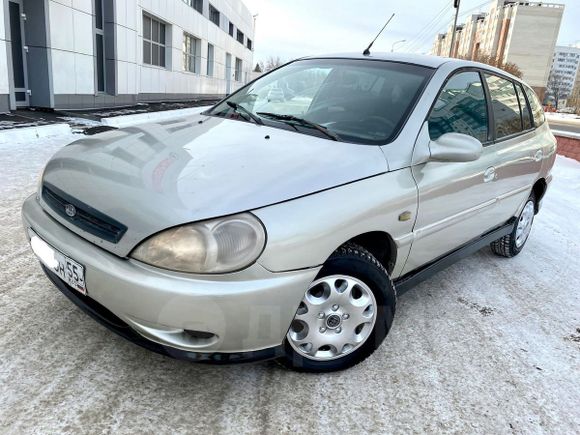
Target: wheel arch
x=539, y=189
x=380, y=244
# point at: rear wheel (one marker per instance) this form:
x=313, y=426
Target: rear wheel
x=512, y=244
x=344, y=315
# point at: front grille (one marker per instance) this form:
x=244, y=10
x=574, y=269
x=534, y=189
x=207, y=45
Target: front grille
x=85, y=217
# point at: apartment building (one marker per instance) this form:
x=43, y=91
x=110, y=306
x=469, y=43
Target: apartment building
x=78, y=54
x=519, y=32
x=564, y=70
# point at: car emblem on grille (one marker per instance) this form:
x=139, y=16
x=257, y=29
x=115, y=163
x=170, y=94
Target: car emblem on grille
x=70, y=210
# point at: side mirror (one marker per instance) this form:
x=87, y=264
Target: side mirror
x=455, y=147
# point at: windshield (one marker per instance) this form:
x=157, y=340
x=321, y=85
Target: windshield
x=361, y=101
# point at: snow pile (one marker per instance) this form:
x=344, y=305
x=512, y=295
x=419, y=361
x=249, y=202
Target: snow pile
x=25, y=134
x=562, y=116
x=142, y=118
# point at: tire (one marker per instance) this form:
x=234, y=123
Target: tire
x=353, y=281
x=513, y=243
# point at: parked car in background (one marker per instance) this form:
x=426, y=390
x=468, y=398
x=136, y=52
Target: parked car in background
x=286, y=227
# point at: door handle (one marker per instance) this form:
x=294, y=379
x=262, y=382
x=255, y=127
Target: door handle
x=489, y=175
x=538, y=156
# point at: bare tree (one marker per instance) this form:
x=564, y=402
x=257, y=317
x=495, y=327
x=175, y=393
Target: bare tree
x=272, y=63
x=574, y=98
x=556, y=88
x=508, y=67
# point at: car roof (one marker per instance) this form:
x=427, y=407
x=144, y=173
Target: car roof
x=416, y=59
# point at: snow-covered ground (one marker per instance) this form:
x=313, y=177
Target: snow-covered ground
x=17, y=132
x=562, y=116
x=490, y=345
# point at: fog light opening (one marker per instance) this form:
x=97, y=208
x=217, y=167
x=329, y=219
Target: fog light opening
x=199, y=338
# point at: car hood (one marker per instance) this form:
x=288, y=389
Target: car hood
x=154, y=176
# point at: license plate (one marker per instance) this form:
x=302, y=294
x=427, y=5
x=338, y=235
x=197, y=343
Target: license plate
x=67, y=269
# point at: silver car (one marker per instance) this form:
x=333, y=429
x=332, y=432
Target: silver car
x=286, y=228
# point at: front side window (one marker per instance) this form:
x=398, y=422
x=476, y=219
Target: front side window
x=506, y=109
x=191, y=53
x=361, y=101
x=460, y=108
x=537, y=111
x=153, y=41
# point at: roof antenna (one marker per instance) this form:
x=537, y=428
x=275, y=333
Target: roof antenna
x=367, y=51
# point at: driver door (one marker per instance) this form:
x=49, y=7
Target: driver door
x=456, y=199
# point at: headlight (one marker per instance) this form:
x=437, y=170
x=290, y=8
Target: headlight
x=214, y=246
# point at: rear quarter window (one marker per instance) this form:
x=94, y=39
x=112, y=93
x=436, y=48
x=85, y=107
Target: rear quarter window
x=537, y=111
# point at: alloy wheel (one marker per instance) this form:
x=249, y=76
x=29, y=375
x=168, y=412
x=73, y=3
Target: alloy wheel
x=525, y=224
x=336, y=317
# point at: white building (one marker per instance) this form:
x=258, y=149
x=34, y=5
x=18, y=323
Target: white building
x=76, y=54
x=565, y=65
x=520, y=32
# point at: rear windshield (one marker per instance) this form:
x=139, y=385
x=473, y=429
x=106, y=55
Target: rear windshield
x=361, y=101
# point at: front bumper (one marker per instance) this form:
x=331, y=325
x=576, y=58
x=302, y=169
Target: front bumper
x=196, y=317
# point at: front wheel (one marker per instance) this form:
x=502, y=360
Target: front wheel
x=345, y=313
x=512, y=244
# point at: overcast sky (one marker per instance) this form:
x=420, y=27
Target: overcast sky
x=294, y=28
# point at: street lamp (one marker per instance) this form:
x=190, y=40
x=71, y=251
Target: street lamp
x=395, y=43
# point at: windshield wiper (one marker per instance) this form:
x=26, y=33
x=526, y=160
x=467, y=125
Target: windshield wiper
x=241, y=109
x=301, y=121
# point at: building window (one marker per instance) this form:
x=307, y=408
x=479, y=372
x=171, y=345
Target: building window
x=210, y=57
x=249, y=44
x=99, y=14
x=240, y=37
x=191, y=53
x=100, y=45
x=153, y=41
x=238, y=72
x=195, y=4
x=231, y=31
x=214, y=15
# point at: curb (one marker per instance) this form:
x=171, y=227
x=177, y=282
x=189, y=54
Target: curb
x=568, y=134
x=32, y=133
x=142, y=118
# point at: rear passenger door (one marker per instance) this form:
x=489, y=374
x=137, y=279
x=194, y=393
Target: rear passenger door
x=518, y=153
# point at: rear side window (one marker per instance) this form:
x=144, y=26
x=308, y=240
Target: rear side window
x=525, y=108
x=460, y=108
x=506, y=109
x=537, y=111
